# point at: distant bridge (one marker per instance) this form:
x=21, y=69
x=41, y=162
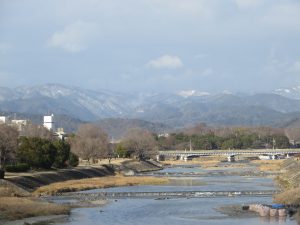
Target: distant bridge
x=185, y=154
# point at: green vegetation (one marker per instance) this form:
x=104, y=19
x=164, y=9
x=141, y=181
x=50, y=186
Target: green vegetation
x=62, y=154
x=73, y=160
x=121, y=151
x=37, y=152
x=20, y=167
x=42, y=153
x=238, y=140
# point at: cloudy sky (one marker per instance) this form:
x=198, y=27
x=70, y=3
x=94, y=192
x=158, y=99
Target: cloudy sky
x=151, y=45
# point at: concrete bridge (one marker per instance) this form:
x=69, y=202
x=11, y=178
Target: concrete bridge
x=185, y=154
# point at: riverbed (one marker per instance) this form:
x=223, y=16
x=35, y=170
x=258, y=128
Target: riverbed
x=183, y=210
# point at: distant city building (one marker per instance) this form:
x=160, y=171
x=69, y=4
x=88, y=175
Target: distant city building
x=164, y=135
x=49, y=122
x=3, y=119
x=19, y=123
x=60, y=133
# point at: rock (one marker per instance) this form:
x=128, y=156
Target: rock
x=264, y=211
x=282, y=212
x=245, y=207
x=273, y=212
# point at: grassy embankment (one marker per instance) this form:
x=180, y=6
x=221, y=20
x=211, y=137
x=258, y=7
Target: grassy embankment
x=15, y=205
x=289, y=182
x=269, y=165
x=100, y=182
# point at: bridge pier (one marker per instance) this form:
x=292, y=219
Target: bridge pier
x=183, y=158
x=160, y=158
x=231, y=158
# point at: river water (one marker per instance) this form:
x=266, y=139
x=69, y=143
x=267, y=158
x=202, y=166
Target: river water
x=181, y=211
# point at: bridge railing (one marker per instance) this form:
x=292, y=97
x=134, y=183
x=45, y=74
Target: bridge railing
x=231, y=152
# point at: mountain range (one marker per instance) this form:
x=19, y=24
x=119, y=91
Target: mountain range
x=176, y=110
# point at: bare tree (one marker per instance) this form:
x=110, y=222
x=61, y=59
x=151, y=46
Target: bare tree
x=293, y=133
x=8, y=143
x=199, y=129
x=90, y=142
x=32, y=130
x=140, y=143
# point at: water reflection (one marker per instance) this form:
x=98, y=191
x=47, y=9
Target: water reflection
x=181, y=211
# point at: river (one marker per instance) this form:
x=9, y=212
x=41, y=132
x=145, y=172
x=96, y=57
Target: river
x=181, y=210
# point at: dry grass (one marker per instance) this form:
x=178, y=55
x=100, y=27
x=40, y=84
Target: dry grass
x=269, y=165
x=11, y=191
x=94, y=183
x=209, y=163
x=205, y=162
x=13, y=208
x=117, y=161
x=180, y=162
x=6, y=191
x=291, y=196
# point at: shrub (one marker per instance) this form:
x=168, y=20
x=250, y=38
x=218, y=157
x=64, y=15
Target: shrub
x=73, y=160
x=36, y=152
x=21, y=167
x=62, y=154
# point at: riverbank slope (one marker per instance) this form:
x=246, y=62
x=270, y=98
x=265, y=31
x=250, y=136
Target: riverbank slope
x=18, y=199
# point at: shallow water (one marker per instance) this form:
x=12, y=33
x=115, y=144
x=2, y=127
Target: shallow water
x=181, y=211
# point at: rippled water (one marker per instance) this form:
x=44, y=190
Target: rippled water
x=181, y=211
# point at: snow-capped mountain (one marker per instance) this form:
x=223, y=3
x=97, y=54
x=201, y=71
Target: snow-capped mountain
x=192, y=93
x=293, y=92
x=174, y=109
x=55, y=98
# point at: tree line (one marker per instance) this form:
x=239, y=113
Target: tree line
x=37, y=147
x=207, y=138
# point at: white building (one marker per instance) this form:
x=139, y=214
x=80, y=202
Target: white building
x=20, y=124
x=2, y=119
x=49, y=122
x=60, y=133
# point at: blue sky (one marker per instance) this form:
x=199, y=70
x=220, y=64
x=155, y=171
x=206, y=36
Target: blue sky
x=151, y=45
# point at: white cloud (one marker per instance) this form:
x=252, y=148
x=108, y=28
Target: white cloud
x=245, y=4
x=165, y=62
x=295, y=67
x=285, y=16
x=75, y=37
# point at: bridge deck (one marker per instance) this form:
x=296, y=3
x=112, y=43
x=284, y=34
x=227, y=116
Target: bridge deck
x=231, y=152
